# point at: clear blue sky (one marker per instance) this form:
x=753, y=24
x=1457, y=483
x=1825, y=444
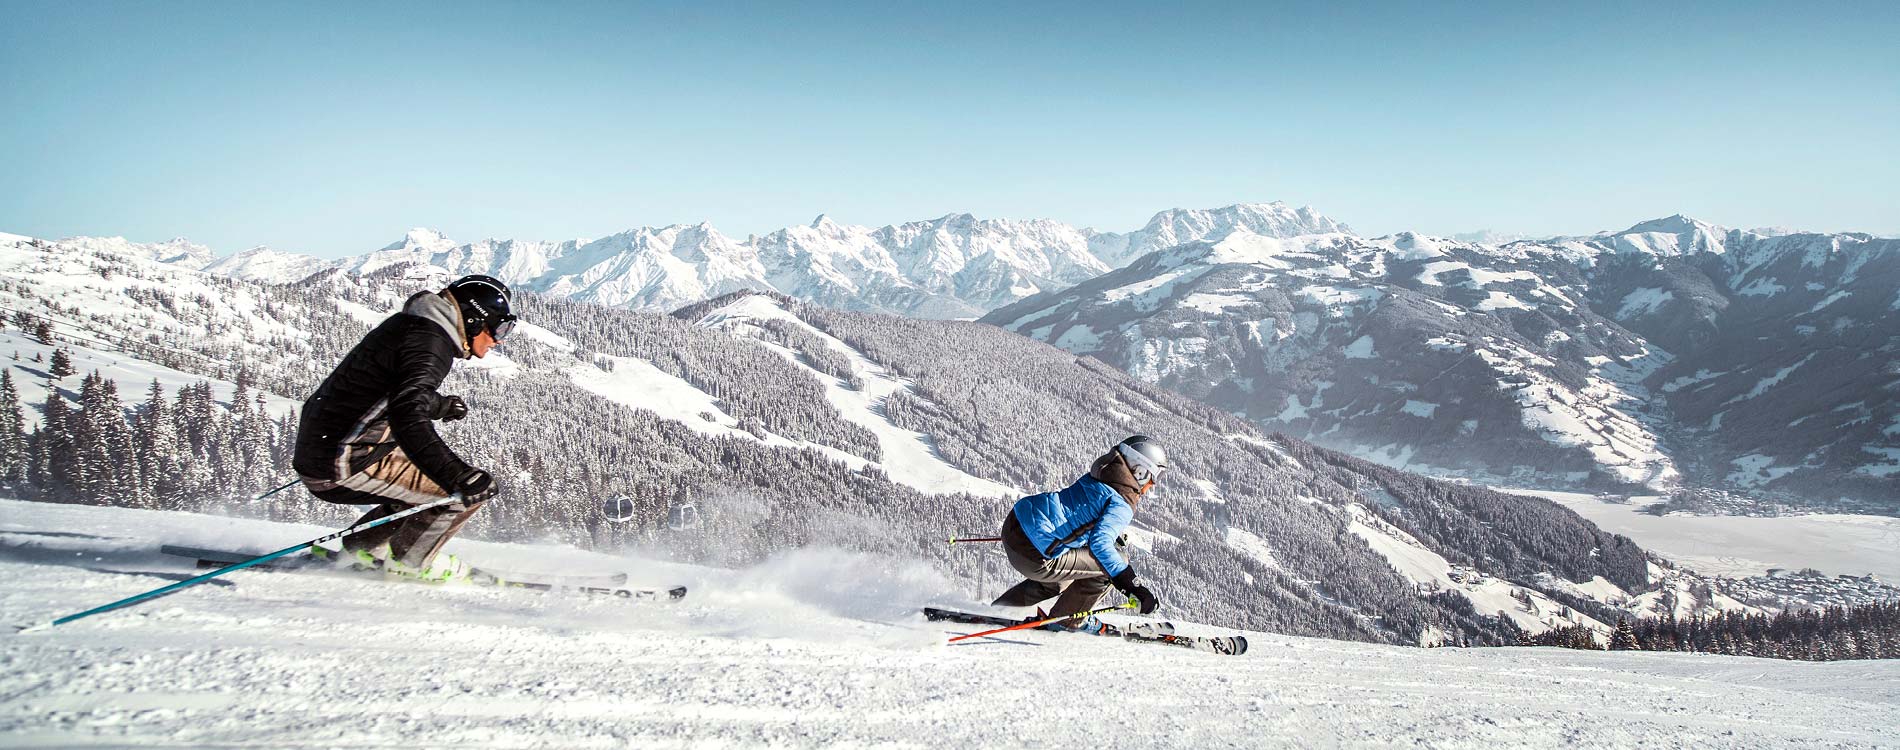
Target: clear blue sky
x=331, y=128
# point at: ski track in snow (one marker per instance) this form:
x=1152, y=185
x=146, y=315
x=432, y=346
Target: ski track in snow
x=817, y=648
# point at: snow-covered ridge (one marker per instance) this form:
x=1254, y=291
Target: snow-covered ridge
x=956, y=266
x=104, y=294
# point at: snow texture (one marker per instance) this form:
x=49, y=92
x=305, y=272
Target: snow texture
x=132, y=376
x=1252, y=546
x=1643, y=302
x=812, y=649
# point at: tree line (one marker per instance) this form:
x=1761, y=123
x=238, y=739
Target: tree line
x=1867, y=631
x=166, y=453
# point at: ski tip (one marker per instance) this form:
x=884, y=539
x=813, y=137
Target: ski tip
x=25, y=629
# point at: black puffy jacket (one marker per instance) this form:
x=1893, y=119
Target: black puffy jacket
x=382, y=396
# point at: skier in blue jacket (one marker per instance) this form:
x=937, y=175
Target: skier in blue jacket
x=1067, y=543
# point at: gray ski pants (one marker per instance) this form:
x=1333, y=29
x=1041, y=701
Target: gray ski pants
x=1075, y=576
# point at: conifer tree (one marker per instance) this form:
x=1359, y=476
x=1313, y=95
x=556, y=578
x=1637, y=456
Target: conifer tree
x=53, y=448
x=62, y=364
x=156, y=447
x=128, y=483
x=105, y=471
x=1625, y=637
x=13, y=448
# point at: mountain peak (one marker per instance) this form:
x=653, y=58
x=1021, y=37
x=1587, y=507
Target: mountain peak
x=1176, y=226
x=422, y=238
x=962, y=219
x=1671, y=223
x=1415, y=246
x=1671, y=235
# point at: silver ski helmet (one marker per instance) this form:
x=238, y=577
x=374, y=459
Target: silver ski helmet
x=486, y=306
x=1145, y=458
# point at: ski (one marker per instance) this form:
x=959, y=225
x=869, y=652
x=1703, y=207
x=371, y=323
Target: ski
x=598, y=585
x=166, y=575
x=554, y=579
x=1159, y=632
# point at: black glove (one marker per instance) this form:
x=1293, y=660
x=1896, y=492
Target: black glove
x=476, y=486
x=1127, y=584
x=451, y=408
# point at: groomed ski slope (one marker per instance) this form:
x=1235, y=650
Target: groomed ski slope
x=818, y=648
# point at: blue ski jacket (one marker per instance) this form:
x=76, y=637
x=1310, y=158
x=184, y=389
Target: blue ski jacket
x=1087, y=513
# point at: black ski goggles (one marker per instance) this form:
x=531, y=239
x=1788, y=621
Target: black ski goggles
x=500, y=328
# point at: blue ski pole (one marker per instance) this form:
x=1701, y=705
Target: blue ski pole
x=163, y=590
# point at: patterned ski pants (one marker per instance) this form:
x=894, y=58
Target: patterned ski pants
x=393, y=484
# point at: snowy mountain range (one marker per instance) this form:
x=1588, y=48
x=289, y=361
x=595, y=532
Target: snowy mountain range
x=786, y=424
x=1614, y=359
x=957, y=266
x=1671, y=351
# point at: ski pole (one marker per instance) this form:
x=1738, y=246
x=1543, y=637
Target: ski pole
x=279, y=488
x=1130, y=604
x=163, y=590
x=954, y=540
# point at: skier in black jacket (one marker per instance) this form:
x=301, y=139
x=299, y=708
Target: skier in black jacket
x=367, y=438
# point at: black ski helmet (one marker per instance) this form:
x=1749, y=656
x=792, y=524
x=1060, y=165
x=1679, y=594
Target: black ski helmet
x=485, y=305
x=1145, y=458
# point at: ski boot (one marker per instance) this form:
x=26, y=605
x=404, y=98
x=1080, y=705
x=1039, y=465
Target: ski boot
x=1091, y=624
x=443, y=569
x=354, y=559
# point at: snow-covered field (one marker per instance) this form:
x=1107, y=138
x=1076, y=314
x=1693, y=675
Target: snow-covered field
x=1741, y=546
x=132, y=376
x=817, y=648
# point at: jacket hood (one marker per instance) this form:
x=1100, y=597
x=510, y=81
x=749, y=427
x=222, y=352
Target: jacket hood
x=1111, y=470
x=440, y=310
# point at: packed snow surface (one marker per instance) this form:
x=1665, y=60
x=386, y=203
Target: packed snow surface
x=814, y=648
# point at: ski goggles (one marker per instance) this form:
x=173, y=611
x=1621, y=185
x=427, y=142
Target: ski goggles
x=1144, y=469
x=500, y=329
